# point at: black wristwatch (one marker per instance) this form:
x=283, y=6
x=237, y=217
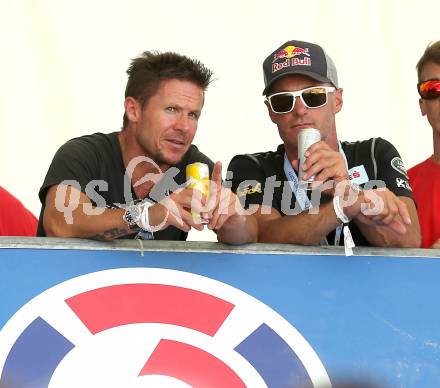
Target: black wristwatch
x=132, y=215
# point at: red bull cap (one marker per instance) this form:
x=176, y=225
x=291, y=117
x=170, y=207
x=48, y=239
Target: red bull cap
x=297, y=57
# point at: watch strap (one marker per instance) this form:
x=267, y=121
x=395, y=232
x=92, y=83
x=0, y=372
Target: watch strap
x=138, y=215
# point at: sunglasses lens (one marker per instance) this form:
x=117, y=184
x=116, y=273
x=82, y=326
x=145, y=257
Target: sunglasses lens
x=429, y=90
x=282, y=103
x=314, y=98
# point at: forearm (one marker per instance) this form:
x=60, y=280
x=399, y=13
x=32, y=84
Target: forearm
x=386, y=236
x=303, y=228
x=238, y=229
x=381, y=236
x=70, y=213
x=106, y=226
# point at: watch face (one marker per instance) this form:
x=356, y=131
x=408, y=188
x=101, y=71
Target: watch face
x=132, y=215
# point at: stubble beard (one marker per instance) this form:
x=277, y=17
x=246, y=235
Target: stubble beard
x=166, y=161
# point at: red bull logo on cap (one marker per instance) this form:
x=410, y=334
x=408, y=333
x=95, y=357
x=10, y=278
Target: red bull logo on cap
x=290, y=52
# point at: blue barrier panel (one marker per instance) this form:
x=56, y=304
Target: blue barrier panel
x=206, y=315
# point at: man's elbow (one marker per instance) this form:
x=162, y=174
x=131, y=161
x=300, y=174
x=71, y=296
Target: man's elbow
x=236, y=240
x=56, y=228
x=409, y=240
x=239, y=230
x=271, y=237
x=412, y=241
x=239, y=238
x=413, y=236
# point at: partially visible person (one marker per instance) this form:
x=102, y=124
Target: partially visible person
x=425, y=177
x=132, y=183
x=374, y=197
x=15, y=219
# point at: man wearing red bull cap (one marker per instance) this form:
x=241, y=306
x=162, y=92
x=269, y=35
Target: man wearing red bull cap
x=425, y=177
x=364, y=185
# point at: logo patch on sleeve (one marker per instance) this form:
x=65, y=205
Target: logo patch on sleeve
x=398, y=165
x=403, y=184
x=250, y=190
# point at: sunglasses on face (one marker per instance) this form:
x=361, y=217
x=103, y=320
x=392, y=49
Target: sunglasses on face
x=429, y=89
x=313, y=97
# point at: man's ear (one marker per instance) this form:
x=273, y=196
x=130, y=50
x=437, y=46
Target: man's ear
x=132, y=109
x=338, y=99
x=422, y=106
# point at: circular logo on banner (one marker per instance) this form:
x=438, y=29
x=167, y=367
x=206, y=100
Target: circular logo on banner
x=138, y=327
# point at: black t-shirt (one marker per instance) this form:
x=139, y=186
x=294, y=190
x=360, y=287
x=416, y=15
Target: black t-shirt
x=256, y=176
x=94, y=165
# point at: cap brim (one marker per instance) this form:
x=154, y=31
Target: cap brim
x=314, y=76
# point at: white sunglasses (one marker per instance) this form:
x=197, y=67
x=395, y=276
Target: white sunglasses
x=313, y=97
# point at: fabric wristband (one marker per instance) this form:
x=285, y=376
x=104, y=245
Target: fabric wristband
x=348, y=239
x=144, y=220
x=339, y=211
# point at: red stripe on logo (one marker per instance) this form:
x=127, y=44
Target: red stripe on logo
x=191, y=365
x=123, y=304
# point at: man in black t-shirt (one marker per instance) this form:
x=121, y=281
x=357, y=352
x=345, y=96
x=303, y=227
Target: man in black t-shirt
x=362, y=185
x=132, y=183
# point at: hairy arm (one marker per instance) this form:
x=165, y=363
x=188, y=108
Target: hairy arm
x=304, y=228
x=69, y=213
x=394, y=231
x=395, y=225
x=239, y=229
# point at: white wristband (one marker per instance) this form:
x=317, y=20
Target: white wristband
x=339, y=211
x=144, y=220
x=348, y=239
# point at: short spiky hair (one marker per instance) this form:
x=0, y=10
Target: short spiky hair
x=147, y=71
x=431, y=54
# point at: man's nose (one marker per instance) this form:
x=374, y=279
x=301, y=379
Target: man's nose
x=183, y=122
x=299, y=107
